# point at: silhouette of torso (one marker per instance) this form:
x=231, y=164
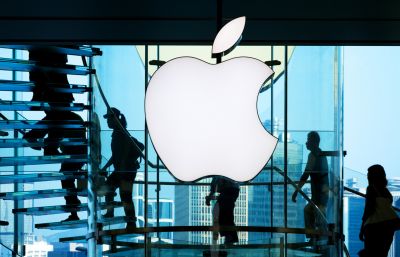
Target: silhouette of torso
x=43, y=80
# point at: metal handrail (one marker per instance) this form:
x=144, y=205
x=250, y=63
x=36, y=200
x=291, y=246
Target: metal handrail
x=11, y=250
x=298, y=189
x=364, y=196
x=152, y=165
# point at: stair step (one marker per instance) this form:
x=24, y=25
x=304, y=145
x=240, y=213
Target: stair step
x=27, y=86
x=49, y=210
x=203, y=250
x=79, y=223
x=40, y=177
x=81, y=238
x=4, y=223
x=127, y=251
x=25, y=65
x=40, y=194
x=39, y=106
x=11, y=143
x=80, y=50
x=36, y=160
x=31, y=124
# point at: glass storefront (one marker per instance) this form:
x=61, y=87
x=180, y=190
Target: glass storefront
x=162, y=216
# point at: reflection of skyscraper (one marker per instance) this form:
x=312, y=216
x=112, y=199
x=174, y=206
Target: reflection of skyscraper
x=353, y=208
x=260, y=207
x=166, y=208
x=191, y=210
x=394, y=188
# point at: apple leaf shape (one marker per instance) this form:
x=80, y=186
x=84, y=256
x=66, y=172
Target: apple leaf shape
x=229, y=36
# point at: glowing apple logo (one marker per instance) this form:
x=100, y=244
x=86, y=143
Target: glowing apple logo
x=203, y=118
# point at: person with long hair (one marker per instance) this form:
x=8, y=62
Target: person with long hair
x=125, y=167
x=377, y=222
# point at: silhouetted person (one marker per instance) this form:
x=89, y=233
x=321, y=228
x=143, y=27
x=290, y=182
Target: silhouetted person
x=223, y=211
x=377, y=227
x=125, y=167
x=44, y=80
x=52, y=147
x=317, y=170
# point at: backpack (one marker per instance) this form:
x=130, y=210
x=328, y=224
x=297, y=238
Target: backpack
x=135, y=146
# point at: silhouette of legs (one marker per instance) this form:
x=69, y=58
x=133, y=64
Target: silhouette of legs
x=71, y=200
x=123, y=181
x=226, y=204
x=313, y=219
x=378, y=239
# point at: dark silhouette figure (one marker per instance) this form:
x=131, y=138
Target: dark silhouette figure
x=223, y=211
x=317, y=170
x=379, y=219
x=125, y=167
x=45, y=80
x=52, y=147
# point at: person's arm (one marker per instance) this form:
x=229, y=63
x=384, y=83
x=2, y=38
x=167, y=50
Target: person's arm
x=368, y=210
x=108, y=164
x=306, y=174
x=302, y=181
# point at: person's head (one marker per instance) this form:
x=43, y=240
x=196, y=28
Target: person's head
x=111, y=122
x=377, y=176
x=312, y=140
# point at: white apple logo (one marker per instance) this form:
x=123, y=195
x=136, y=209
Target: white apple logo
x=202, y=118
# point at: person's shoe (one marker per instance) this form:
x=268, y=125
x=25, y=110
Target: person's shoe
x=130, y=225
x=230, y=240
x=50, y=151
x=71, y=218
x=30, y=139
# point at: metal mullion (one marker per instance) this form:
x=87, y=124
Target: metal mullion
x=146, y=159
x=286, y=145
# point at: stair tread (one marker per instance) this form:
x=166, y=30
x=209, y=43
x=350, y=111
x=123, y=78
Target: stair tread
x=170, y=250
x=37, y=194
x=36, y=160
x=49, y=210
x=27, y=86
x=39, y=106
x=79, y=223
x=28, y=178
x=80, y=50
x=31, y=124
x=20, y=142
x=25, y=65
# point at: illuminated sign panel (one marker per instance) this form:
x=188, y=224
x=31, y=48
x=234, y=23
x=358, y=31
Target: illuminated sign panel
x=202, y=118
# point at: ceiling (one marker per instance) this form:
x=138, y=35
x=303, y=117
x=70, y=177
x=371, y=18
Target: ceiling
x=194, y=22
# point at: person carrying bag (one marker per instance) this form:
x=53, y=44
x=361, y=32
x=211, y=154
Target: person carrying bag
x=380, y=220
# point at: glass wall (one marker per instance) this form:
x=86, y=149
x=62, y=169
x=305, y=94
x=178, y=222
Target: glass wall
x=304, y=95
